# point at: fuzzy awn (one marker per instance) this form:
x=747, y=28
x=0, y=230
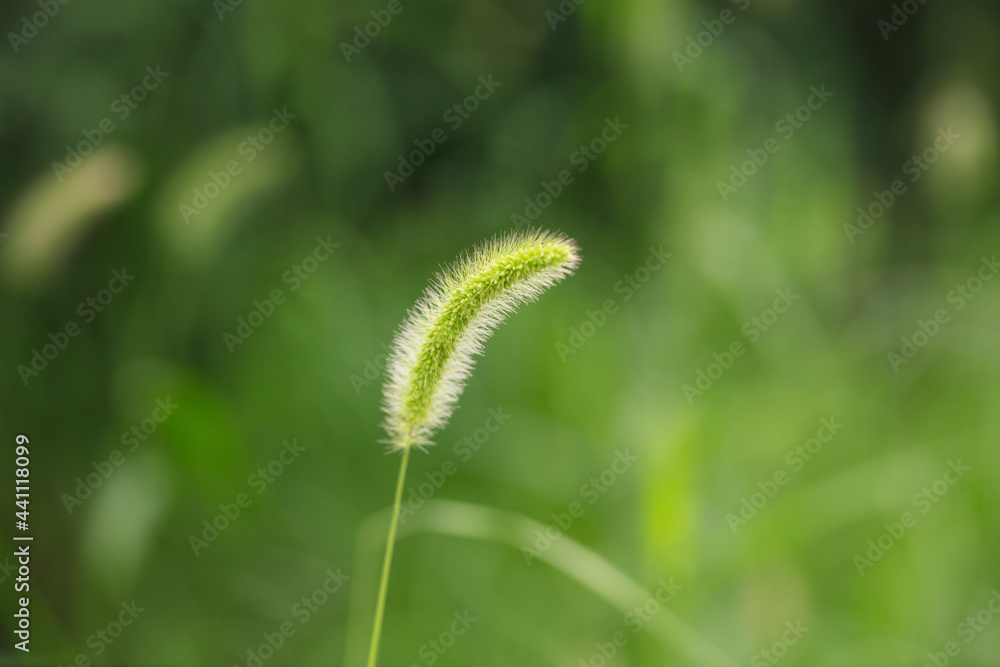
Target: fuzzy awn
x=433, y=352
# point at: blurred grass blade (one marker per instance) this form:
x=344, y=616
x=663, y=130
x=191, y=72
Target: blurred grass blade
x=55, y=213
x=207, y=197
x=468, y=520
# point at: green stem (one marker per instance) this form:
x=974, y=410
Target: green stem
x=387, y=563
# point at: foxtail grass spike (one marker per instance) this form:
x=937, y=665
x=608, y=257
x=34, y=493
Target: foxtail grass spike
x=433, y=351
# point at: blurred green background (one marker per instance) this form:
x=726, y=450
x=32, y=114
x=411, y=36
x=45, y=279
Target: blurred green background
x=215, y=153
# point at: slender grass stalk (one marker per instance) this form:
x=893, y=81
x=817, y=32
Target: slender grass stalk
x=383, y=586
x=433, y=352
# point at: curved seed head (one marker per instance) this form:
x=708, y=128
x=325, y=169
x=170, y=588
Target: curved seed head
x=432, y=354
